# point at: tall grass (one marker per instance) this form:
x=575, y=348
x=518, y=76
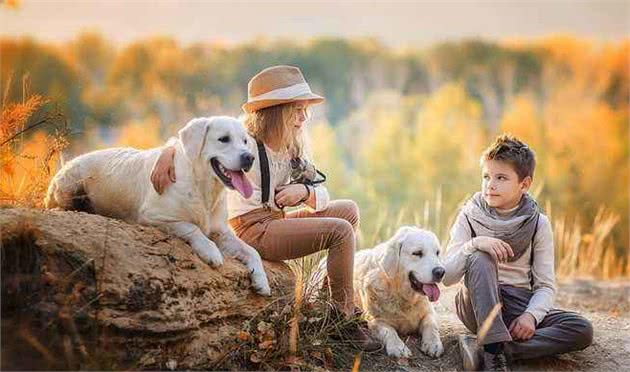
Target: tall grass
x=32, y=136
x=591, y=252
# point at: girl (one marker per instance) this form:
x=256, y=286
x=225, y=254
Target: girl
x=276, y=111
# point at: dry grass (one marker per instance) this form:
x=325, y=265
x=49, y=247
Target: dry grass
x=485, y=326
x=318, y=336
x=590, y=253
x=32, y=136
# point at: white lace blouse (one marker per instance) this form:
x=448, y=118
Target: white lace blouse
x=279, y=174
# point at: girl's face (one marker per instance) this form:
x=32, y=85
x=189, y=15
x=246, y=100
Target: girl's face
x=300, y=115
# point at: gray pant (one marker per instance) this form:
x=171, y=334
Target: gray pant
x=559, y=332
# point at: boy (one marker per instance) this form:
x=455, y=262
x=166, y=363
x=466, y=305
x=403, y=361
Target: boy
x=502, y=245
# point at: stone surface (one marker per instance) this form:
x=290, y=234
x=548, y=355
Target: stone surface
x=81, y=290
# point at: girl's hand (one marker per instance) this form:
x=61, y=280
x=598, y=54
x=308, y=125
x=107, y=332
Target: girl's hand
x=497, y=248
x=290, y=195
x=523, y=327
x=163, y=172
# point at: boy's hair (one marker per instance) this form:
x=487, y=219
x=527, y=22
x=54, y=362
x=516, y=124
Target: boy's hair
x=511, y=150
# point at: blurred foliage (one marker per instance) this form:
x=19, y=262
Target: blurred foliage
x=401, y=130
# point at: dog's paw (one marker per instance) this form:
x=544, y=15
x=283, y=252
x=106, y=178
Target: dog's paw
x=432, y=348
x=211, y=255
x=260, y=283
x=398, y=350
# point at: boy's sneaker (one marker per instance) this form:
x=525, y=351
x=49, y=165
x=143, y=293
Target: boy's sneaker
x=470, y=352
x=495, y=362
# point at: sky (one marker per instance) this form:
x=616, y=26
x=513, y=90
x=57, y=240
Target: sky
x=394, y=23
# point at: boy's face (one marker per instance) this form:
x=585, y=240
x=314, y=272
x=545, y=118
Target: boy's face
x=500, y=186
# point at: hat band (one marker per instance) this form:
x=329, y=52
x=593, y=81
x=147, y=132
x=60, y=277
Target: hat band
x=284, y=93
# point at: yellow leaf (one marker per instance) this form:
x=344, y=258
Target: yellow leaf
x=243, y=336
x=266, y=344
x=357, y=363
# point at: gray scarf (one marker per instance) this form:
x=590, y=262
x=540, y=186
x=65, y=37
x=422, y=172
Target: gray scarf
x=517, y=228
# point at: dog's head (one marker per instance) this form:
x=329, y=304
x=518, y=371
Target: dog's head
x=418, y=252
x=220, y=141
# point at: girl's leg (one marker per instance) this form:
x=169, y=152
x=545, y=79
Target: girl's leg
x=344, y=209
x=292, y=238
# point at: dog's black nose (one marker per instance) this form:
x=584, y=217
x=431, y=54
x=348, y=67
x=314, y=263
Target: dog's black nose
x=247, y=159
x=438, y=273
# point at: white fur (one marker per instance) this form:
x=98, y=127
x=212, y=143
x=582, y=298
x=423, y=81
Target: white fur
x=383, y=291
x=117, y=184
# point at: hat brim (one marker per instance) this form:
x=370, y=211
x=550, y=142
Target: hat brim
x=313, y=99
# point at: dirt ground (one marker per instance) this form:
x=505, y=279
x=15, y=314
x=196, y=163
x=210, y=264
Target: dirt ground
x=606, y=304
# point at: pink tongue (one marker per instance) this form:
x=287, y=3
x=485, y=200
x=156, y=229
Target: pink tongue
x=241, y=183
x=432, y=291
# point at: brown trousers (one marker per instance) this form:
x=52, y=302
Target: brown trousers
x=278, y=236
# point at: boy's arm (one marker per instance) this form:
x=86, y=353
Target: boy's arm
x=542, y=271
x=458, y=249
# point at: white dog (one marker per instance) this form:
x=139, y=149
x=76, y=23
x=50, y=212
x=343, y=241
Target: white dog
x=394, y=283
x=210, y=154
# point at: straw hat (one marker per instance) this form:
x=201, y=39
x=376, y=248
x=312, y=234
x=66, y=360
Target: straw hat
x=277, y=85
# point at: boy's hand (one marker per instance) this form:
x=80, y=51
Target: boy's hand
x=497, y=248
x=163, y=172
x=523, y=327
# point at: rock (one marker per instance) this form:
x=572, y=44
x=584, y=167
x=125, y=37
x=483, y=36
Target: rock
x=86, y=291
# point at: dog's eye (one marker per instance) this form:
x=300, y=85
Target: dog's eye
x=437, y=253
x=224, y=139
x=245, y=142
x=418, y=253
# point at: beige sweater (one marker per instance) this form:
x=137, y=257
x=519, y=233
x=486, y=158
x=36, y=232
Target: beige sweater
x=279, y=172
x=517, y=273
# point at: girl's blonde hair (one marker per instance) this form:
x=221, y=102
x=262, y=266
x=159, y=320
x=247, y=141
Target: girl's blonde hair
x=275, y=124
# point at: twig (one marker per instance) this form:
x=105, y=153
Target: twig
x=41, y=122
x=485, y=326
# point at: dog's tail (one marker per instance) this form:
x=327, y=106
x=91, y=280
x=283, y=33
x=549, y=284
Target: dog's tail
x=67, y=191
x=50, y=201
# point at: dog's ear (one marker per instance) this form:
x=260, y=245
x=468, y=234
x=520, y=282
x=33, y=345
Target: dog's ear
x=399, y=237
x=193, y=136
